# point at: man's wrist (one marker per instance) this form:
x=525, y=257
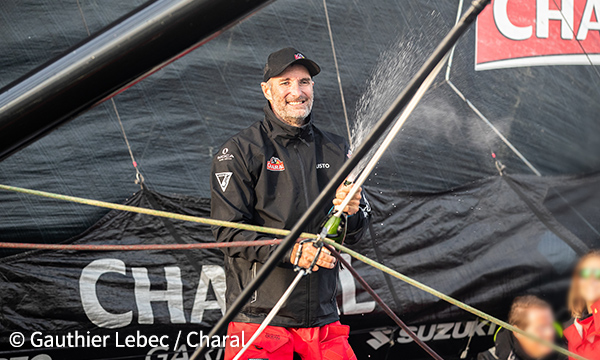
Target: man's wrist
x=287, y=259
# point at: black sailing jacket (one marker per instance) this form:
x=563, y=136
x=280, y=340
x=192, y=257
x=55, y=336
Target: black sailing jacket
x=508, y=348
x=269, y=174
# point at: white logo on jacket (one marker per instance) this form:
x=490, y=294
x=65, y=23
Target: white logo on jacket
x=223, y=179
x=225, y=155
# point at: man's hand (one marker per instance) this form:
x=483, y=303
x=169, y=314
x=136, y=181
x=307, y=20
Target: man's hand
x=340, y=195
x=308, y=255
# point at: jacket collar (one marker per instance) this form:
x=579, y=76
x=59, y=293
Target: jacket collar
x=596, y=315
x=508, y=347
x=277, y=128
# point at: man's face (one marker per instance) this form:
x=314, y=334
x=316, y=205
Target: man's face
x=540, y=322
x=290, y=94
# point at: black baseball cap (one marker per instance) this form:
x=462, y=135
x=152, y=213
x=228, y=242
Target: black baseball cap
x=281, y=59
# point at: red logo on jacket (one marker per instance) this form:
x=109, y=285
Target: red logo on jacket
x=275, y=164
x=513, y=33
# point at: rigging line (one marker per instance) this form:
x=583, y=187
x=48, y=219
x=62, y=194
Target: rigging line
x=476, y=110
x=498, y=133
x=83, y=18
x=272, y=313
x=576, y=212
x=137, y=247
x=382, y=303
x=152, y=212
x=139, y=178
x=495, y=129
x=587, y=223
x=449, y=299
x=337, y=71
x=451, y=58
x=587, y=56
x=267, y=230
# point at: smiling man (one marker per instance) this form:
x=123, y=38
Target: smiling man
x=268, y=175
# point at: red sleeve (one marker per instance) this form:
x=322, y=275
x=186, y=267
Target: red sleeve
x=596, y=315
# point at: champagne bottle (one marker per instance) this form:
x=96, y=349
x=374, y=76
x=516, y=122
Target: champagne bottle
x=336, y=227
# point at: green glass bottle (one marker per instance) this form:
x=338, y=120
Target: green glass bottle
x=336, y=227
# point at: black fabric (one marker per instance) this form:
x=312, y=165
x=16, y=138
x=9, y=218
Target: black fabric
x=269, y=175
x=479, y=243
x=45, y=290
x=576, y=210
x=489, y=354
x=191, y=256
x=177, y=118
x=508, y=348
x=543, y=215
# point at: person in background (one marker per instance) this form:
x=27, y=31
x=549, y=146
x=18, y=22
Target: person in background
x=583, y=336
x=533, y=315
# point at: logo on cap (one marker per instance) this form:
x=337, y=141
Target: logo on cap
x=298, y=56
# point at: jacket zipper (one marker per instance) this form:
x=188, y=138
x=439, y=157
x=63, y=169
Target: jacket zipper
x=255, y=296
x=303, y=172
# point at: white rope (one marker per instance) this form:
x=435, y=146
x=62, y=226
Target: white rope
x=337, y=71
x=476, y=110
x=451, y=58
x=500, y=135
x=391, y=135
x=139, y=178
x=272, y=313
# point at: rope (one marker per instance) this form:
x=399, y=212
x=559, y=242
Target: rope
x=272, y=313
x=267, y=230
x=495, y=129
x=451, y=57
x=87, y=29
x=337, y=71
x=159, y=213
x=139, y=178
x=138, y=247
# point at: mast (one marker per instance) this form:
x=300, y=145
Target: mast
x=123, y=53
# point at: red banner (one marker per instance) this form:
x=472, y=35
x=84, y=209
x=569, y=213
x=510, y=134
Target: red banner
x=513, y=33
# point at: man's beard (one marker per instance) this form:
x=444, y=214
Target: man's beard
x=295, y=117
